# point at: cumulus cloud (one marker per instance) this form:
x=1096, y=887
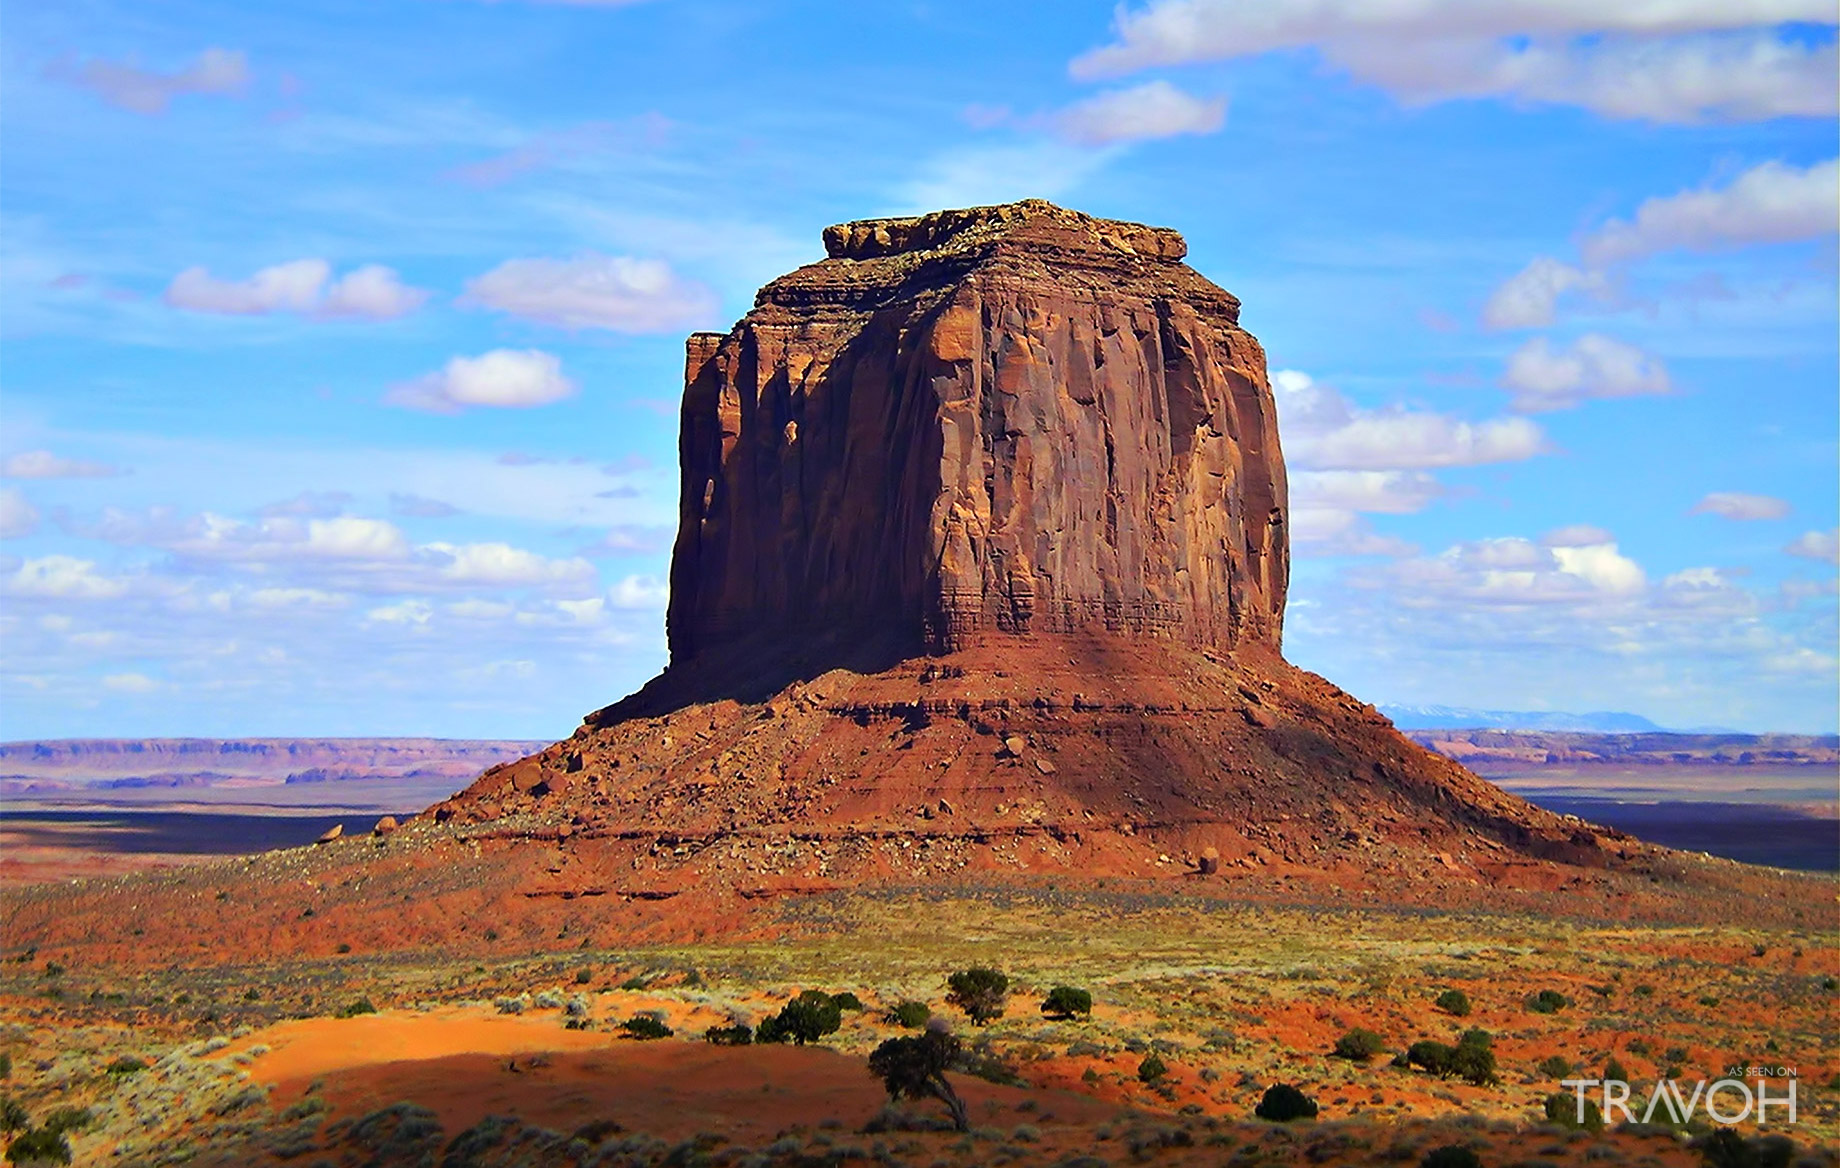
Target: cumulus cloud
x=1817, y=545
x=1155, y=109
x=1770, y=203
x=149, y=91
x=500, y=379
x=1742, y=506
x=1515, y=571
x=63, y=578
x=17, y=515
x=1530, y=298
x=1592, y=366
x=639, y=592
x=371, y=292
x=1322, y=430
x=504, y=566
x=594, y=291
x=1678, y=62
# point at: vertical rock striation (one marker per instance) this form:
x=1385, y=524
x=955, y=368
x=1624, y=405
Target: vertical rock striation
x=1003, y=420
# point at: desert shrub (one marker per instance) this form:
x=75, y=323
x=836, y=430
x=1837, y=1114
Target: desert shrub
x=848, y=1001
x=1614, y=1069
x=13, y=1116
x=1645, y=990
x=1474, y=1059
x=510, y=1005
x=738, y=1034
x=915, y=1068
x=6, y=1065
x=1066, y=1001
x=1555, y=1067
x=1562, y=1108
x=39, y=1146
x=548, y=1000
x=361, y=1006
x=1433, y=1056
x=1725, y=1148
x=53, y=969
x=1152, y=1068
x=127, y=1064
x=981, y=992
x=64, y=1119
x=1282, y=1103
x=805, y=1019
x=912, y=1015
x=646, y=1027
x=1454, y=1002
x=1451, y=1156
x=1548, y=1002
x=583, y=976
x=1359, y=1045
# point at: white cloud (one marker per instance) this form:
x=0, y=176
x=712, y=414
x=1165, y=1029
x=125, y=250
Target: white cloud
x=1327, y=531
x=1816, y=545
x=1326, y=507
x=1668, y=61
x=17, y=515
x=285, y=598
x=639, y=592
x=1601, y=566
x=982, y=175
x=1770, y=203
x=595, y=291
x=1739, y=505
x=131, y=683
x=502, y=565
x=1322, y=430
x=500, y=379
x=1155, y=109
x=1593, y=366
x=371, y=292
x=407, y=612
x=291, y=287
x=1529, y=298
x=42, y=464
x=63, y=578
x=1516, y=571
x=1577, y=535
x=148, y=91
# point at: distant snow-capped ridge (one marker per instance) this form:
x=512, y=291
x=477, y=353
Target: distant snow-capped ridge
x=1460, y=718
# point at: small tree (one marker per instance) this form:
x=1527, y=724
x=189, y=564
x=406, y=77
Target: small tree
x=645, y=1027
x=1152, y=1068
x=1359, y=1045
x=915, y=1068
x=1555, y=1066
x=1561, y=1107
x=980, y=992
x=1454, y=1002
x=738, y=1034
x=65, y=1119
x=1064, y=1002
x=1283, y=1103
x=13, y=1115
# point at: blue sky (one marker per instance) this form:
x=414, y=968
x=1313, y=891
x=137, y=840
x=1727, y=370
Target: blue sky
x=342, y=341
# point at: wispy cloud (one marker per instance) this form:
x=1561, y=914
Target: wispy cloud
x=150, y=91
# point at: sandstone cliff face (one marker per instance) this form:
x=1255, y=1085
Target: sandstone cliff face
x=1006, y=420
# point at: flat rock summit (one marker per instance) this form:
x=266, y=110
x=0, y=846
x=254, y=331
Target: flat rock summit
x=979, y=579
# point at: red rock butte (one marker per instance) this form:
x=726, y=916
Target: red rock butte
x=1014, y=419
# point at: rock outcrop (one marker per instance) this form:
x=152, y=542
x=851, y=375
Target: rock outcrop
x=1012, y=420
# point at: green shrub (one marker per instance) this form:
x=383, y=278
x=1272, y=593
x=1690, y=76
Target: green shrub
x=1555, y=1067
x=805, y=1019
x=1615, y=1070
x=1433, y=1056
x=13, y=1115
x=1472, y=1059
x=1450, y=1156
x=645, y=1027
x=739, y=1034
x=1454, y=1002
x=65, y=1119
x=127, y=1064
x=1283, y=1103
x=361, y=1006
x=1066, y=1001
x=1152, y=1068
x=583, y=976
x=1645, y=990
x=1548, y=1002
x=1561, y=1108
x=912, y=1015
x=6, y=1065
x=980, y=992
x=847, y=1001
x=1359, y=1045
x=39, y=1146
